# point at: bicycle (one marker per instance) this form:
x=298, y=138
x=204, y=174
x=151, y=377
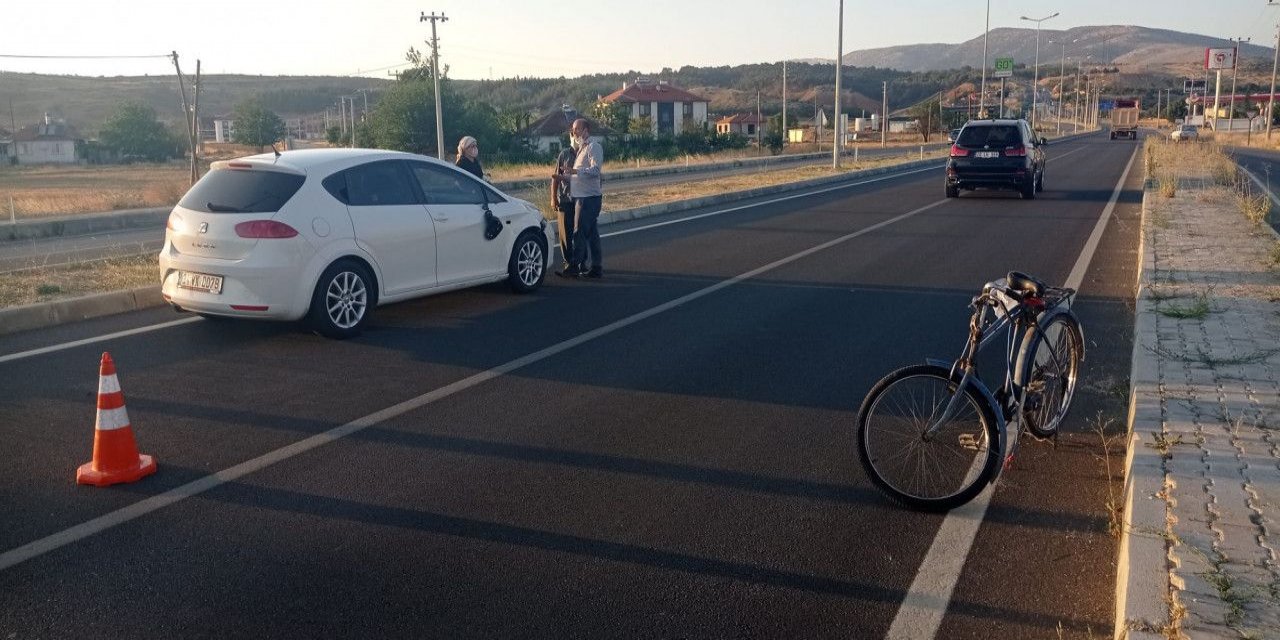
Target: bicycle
x=933, y=436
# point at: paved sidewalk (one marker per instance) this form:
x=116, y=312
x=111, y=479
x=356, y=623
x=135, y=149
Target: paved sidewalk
x=1202, y=544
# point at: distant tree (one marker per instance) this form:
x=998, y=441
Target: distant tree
x=133, y=132
x=614, y=115
x=256, y=125
x=640, y=126
x=927, y=114
x=334, y=135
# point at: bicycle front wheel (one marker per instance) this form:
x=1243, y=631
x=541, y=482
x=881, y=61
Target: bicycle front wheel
x=931, y=471
x=1050, y=365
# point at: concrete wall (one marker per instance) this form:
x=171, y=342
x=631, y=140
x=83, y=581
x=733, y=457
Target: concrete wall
x=46, y=152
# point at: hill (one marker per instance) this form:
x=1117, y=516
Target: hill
x=1122, y=44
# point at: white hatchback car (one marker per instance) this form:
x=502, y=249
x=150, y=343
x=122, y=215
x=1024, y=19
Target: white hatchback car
x=1185, y=132
x=329, y=234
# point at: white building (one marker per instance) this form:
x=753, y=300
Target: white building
x=46, y=143
x=223, y=128
x=548, y=133
x=669, y=107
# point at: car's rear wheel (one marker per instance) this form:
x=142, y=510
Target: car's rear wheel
x=528, y=264
x=1028, y=190
x=1040, y=181
x=953, y=192
x=343, y=300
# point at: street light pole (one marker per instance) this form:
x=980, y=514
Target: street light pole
x=838, y=134
x=982, y=96
x=1035, y=84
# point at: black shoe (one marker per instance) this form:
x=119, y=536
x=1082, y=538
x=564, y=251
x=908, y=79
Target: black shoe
x=593, y=274
x=569, y=272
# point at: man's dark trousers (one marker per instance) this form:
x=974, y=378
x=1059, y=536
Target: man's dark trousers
x=587, y=233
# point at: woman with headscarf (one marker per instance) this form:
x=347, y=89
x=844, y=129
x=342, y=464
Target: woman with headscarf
x=469, y=157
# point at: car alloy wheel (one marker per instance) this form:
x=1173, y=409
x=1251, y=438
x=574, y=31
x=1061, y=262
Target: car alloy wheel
x=346, y=300
x=343, y=300
x=529, y=262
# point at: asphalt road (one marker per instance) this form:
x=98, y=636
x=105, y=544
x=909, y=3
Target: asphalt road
x=26, y=254
x=1266, y=166
x=666, y=452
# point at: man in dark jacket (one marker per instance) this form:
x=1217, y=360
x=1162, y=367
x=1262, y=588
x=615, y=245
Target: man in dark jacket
x=562, y=203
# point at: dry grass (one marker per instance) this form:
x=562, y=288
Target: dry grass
x=626, y=199
x=53, y=283
x=51, y=191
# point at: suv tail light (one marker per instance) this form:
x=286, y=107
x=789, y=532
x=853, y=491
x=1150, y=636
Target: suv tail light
x=958, y=152
x=1015, y=151
x=265, y=229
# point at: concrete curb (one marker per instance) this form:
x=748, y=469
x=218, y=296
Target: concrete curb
x=84, y=224
x=46, y=314
x=62, y=311
x=1142, y=573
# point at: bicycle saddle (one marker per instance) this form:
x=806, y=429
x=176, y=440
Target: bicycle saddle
x=1025, y=284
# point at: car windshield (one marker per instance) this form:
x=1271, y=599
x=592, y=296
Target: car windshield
x=990, y=136
x=242, y=191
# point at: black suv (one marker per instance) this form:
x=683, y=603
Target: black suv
x=996, y=154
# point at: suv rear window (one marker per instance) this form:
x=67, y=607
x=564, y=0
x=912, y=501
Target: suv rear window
x=1000, y=135
x=242, y=191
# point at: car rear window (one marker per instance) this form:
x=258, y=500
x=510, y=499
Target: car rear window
x=242, y=191
x=990, y=136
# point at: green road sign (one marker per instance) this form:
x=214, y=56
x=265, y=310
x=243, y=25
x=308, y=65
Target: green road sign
x=1004, y=68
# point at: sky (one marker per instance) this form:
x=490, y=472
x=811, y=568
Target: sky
x=505, y=38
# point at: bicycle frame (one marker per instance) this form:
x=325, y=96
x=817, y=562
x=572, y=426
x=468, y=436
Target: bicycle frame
x=1013, y=319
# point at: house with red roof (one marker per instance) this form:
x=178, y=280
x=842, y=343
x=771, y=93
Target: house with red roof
x=744, y=124
x=670, y=108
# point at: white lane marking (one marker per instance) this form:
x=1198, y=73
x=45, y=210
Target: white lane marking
x=804, y=194
x=166, y=325
x=800, y=195
x=110, y=336
x=921, y=612
x=1086, y=256
x=144, y=507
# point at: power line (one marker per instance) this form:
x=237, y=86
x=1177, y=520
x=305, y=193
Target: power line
x=16, y=55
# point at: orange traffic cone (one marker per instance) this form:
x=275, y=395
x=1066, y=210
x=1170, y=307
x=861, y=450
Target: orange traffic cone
x=115, y=455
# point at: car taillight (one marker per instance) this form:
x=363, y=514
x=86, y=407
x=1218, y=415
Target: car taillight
x=239, y=165
x=958, y=152
x=170, y=224
x=265, y=229
x=1015, y=151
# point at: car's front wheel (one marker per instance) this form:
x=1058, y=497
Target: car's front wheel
x=343, y=300
x=528, y=263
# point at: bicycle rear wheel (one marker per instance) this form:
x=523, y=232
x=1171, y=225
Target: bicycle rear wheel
x=935, y=473
x=1049, y=366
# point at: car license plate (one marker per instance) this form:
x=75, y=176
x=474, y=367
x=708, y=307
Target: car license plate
x=987, y=154
x=200, y=282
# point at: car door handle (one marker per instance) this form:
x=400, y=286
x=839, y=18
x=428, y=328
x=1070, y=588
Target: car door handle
x=440, y=218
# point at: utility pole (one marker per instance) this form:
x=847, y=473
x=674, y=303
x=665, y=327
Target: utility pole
x=1275, y=57
x=784, y=102
x=1035, y=84
x=186, y=113
x=435, y=74
x=884, y=109
x=195, y=127
x=759, y=128
x=1075, y=104
x=1235, y=65
x=1062, y=84
x=837, y=137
